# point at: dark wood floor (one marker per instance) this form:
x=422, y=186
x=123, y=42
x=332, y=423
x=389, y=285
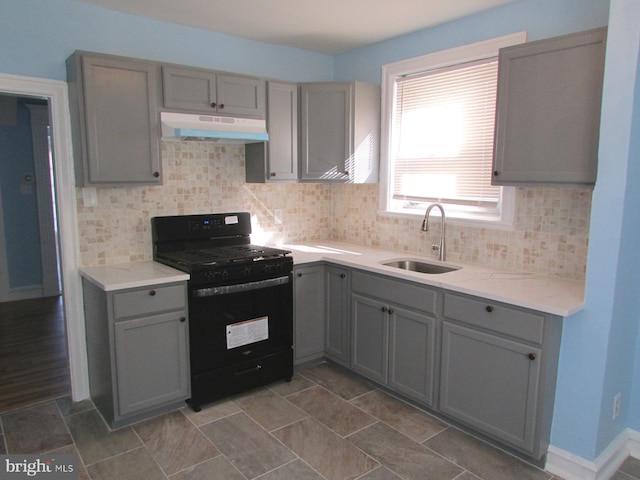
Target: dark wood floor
x=33, y=352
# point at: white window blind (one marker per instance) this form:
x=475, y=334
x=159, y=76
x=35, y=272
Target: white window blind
x=442, y=135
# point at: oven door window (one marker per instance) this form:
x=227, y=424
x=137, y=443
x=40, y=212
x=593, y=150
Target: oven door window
x=226, y=328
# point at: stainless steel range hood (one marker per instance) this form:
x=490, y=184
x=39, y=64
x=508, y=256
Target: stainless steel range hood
x=186, y=126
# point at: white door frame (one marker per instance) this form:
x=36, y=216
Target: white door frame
x=56, y=93
x=46, y=217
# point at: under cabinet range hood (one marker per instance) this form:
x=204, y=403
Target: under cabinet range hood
x=186, y=126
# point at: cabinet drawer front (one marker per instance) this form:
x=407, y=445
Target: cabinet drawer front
x=495, y=316
x=396, y=291
x=149, y=300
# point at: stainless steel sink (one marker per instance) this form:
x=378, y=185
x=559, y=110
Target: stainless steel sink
x=420, y=266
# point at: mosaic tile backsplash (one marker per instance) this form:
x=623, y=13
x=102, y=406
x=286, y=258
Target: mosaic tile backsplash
x=550, y=235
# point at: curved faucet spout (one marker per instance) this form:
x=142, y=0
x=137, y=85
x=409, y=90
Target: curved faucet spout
x=425, y=228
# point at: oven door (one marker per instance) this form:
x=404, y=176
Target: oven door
x=236, y=323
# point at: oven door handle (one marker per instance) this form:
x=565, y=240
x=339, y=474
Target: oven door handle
x=241, y=287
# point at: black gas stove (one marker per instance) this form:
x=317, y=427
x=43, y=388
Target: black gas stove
x=240, y=302
x=215, y=249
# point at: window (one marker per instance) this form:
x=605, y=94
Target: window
x=438, y=123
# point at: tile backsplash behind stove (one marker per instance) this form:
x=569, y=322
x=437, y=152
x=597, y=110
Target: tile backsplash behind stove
x=550, y=235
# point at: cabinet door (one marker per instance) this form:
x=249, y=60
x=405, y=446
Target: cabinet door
x=121, y=115
x=325, y=136
x=490, y=383
x=277, y=159
x=189, y=89
x=308, y=283
x=370, y=337
x=282, y=125
x=152, y=361
x=412, y=354
x=337, y=323
x=548, y=113
x=239, y=95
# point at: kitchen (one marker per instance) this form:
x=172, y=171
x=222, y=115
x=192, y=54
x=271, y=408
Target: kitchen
x=114, y=231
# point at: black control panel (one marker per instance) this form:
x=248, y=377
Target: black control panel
x=200, y=227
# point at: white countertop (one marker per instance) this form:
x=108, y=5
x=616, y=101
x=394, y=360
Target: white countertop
x=132, y=275
x=546, y=294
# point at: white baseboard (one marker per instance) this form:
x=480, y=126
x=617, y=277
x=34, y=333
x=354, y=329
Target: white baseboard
x=572, y=467
x=25, y=293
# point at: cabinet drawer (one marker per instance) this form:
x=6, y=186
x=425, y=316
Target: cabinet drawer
x=149, y=300
x=495, y=316
x=396, y=291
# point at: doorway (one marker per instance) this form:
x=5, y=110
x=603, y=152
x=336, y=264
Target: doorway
x=33, y=351
x=55, y=93
x=29, y=262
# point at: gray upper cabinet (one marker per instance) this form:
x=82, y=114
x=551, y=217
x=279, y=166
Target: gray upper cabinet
x=277, y=159
x=206, y=91
x=114, y=118
x=339, y=132
x=548, y=110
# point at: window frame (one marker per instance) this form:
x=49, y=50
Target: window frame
x=440, y=59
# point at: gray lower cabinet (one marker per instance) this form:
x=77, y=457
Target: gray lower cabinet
x=277, y=159
x=394, y=334
x=309, y=298
x=498, y=370
x=138, y=350
x=339, y=132
x=548, y=110
x=211, y=92
x=337, y=324
x=114, y=120
x=369, y=352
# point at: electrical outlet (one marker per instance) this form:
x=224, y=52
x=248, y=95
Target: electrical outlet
x=277, y=217
x=616, y=405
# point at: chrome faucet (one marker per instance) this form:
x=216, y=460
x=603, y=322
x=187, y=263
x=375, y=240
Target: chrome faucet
x=425, y=228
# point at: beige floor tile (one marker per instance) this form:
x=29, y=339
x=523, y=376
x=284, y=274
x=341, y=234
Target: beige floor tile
x=296, y=470
x=218, y=468
x=296, y=384
x=35, y=430
x=403, y=417
x=133, y=465
x=249, y=447
x=337, y=380
x=482, y=459
x=402, y=455
x=95, y=441
x=324, y=450
x=269, y=409
x=174, y=442
x=211, y=412
x=332, y=410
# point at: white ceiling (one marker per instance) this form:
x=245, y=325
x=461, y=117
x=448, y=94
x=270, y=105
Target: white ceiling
x=325, y=26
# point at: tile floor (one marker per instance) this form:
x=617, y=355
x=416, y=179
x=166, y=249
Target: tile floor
x=324, y=424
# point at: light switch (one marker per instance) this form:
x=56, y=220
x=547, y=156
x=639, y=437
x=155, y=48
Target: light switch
x=89, y=197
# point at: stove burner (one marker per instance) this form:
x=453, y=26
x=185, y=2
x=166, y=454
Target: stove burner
x=213, y=256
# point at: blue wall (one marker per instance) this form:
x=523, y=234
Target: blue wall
x=20, y=208
x=634, y=414
x=36, y=37
x=540, y=18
